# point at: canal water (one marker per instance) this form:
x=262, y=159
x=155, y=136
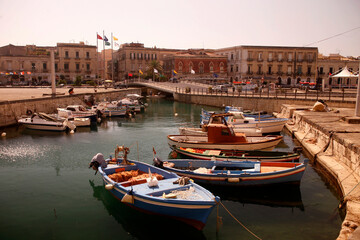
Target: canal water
x=48, y=192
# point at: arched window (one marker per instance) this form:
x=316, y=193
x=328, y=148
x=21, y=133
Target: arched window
x=211, y=67
x=201, y=67
x=191, y=67
x=221, y=67
x=289, y=81
x=180, y=66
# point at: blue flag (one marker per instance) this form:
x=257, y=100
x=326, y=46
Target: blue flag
x=105, y=39
x=215, y=75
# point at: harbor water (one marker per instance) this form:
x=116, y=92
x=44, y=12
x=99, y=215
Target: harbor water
x=48, y=191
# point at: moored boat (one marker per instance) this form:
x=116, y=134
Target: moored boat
x=235, y=173
x=154, y=190
x=233, y=155
x=222, y=136
x=43, y=121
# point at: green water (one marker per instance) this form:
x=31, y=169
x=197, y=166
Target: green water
x=48, y=192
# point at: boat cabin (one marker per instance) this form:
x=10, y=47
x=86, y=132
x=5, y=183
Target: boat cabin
x=219, y=131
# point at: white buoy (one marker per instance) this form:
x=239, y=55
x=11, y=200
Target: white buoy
x=175, y=114
x=109, y=186
x=3, y=134
x=72, y=132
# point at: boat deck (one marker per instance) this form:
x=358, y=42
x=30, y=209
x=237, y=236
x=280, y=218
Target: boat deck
x=272, y=169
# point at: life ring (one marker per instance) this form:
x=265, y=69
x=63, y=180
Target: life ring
x=29, y=112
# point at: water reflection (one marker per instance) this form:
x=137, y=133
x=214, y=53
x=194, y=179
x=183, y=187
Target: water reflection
x=281, y=195
x=141, y=225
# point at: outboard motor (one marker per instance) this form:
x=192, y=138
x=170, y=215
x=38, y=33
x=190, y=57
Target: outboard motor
x=157, y=162
x=98, y=161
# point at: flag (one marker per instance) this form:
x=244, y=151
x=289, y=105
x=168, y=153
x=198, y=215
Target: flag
x=115, y=39
x=107, y=43
x=154, y=151
x=99, y=37
x=28, y=72
x=215, y=75
x=175, y=72
x=192, y=71
x=130, y=74
x=155, y=70
x=105, y=39
x=140, y=71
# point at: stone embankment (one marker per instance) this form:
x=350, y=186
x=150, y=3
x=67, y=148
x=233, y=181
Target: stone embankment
x=12, y=110
x=334, y=143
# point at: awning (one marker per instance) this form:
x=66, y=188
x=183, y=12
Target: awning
x=344, y=73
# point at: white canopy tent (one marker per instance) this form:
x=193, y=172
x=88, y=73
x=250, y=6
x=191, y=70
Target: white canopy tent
x=344, y=74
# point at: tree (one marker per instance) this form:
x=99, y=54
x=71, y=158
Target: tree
x=154, y=64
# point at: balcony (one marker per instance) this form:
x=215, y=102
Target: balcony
x=260, y=60
x=280, y=60
x=259, y=72
x=66, y=70
x=88, y=71
x=249, y=59
x=300, y=60
x=310, y=60
x=45, y=70
x=77, y=71
x=289, y=60
x=279, y=73
x=250, y=72
x=270, y=60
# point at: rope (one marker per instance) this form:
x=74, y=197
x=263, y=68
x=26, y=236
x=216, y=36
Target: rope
x=239, y=222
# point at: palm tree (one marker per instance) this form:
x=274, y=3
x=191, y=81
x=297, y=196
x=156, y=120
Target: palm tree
x=154, y=64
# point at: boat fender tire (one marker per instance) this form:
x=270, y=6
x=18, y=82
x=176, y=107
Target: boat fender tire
x=29, y=112
x=234, y=180
x=158, y=163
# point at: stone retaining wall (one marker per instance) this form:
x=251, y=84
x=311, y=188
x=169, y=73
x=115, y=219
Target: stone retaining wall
x=253, y=103
x=334, y=144
x=12, y=110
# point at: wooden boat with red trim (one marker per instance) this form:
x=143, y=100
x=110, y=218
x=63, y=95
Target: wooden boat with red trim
x=153, y=190
x=222, y=136
x=235, y=173
x=234, y=155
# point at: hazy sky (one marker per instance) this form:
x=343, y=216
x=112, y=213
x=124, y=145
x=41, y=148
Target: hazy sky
x=185, y=24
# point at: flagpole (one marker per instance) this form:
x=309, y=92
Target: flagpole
x=104, y=53
x=112, y=58
x=97, y=59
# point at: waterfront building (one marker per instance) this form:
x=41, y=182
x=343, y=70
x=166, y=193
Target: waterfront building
x=23, y=64
x=329, y=65
x=197, y=64
x=132, y=57
x=31, y=64
x=74, y=60
x=271, y=64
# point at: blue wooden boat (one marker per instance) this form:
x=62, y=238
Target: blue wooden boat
x=235, y=173
x=154, y=190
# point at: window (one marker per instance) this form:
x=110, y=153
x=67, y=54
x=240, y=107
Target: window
x=56, y=66
x=331, y=70
x=290, y=56
x=66, y=66
x=221, y=67
x=321, y=70
x=201, y=67
x=231, y=68
x=269, y=70
x=44, y=66
x=300, y=57
x=309, y=70
x=87, y=55
x=232, y=56
x=260, y=56
x=270, y=57
x=33, y=66
x=66, y=54
x=77, y=54
x=249, y=69
x=237, y=68
x=77, y=66
x=180, y=66
x=88, y=67
x=280, y=57
x=289, y=69
x=299, y=70
x=309, y=57
x=190, y=67
x=279, y=69
x=259, y=69
x=211, y=66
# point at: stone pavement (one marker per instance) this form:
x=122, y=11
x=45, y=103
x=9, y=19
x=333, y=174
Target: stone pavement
x=20, y=93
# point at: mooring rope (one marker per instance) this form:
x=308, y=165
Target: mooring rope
x=239, y=222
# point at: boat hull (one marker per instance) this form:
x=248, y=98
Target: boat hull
x=288, y=173
x=43, y=126
x=262, y=156
x=194, y=213
x=201, y=142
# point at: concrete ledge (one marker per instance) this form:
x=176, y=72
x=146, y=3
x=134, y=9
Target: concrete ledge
x=335, y=145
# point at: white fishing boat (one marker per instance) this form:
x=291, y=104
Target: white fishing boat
x=43, y=121
x=222, y=136
x=112, y=109
x=77, y=121
x=79, y=111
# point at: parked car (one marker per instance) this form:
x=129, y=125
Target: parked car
x=221, y=88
